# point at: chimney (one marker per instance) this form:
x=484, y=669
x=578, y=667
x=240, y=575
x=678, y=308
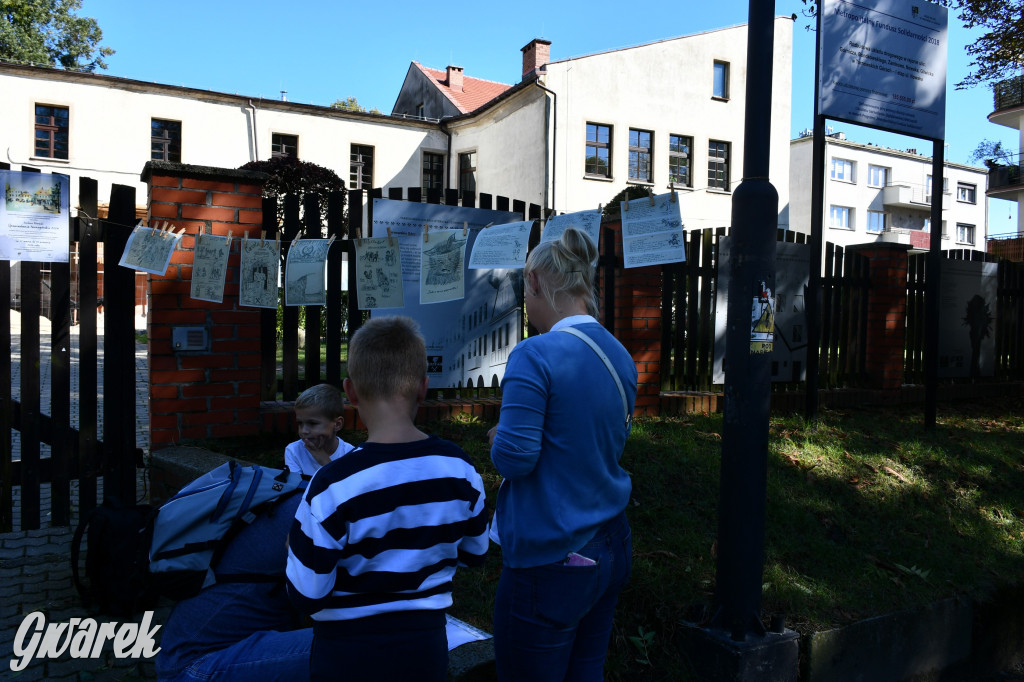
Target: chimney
x=536, y=55
x=455, y=78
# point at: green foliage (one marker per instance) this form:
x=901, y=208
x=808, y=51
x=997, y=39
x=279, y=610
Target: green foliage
x=48, y=32
x=352, y=104
x=289, y=175
x=992, y=154
x=612, y=210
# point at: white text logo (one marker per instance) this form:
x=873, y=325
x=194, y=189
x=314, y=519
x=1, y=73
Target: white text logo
x=83, y=637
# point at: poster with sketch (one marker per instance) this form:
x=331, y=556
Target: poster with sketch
x=210, y=267
x=34, y=217
x=379, y=264
x=652, y=231
x=468, y=340
x=792, y=274
x=149, y=250
x=588, y=221
x=305, y=272
x=501, y=246
x=442, y=271
x=258, y=273
x=967, y=319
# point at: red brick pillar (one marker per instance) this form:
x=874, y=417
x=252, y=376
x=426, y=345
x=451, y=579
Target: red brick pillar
x=637, y=324
x=887, y=313
x=210, y=393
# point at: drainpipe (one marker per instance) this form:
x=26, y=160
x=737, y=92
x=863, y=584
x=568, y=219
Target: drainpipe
x=255, y=136
x=448, y=155
x=550, y=173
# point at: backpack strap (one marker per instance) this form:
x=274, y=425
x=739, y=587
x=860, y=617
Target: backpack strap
x=267, y=507
x=608, y=364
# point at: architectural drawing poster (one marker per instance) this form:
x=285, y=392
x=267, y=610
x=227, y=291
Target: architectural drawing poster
x=259, y=273
x=305, y=272
x=789, y=349
x=967, y=319
x=34, y=217
x=501, y=246
x=652, y=231
x=588, y=221
x=467, y=339
x=149, y=250
x=379, y=264
x=210, y=267
x=442, y=266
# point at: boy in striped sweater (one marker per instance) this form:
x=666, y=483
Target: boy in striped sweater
x=379, y=532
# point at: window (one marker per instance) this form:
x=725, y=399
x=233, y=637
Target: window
x=467, y=172
x=599, y=151
x=841, y=217
x=433, y=171
x=51, y=132
x=679, y=160
x=877, y=176
x=720, y=87
x=842, y=170
x=928, y=187
x=965, y=233
x=421, y=110
x=967, y=193
x=284, y=145
x=360, y=174
x=640, y=155
x=876, y=221
x=718, y=165
x=165, y=140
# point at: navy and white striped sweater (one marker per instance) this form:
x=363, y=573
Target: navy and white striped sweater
x=382, y=529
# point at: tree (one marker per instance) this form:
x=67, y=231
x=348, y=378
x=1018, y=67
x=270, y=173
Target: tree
x=352, y=104
x=48, y=32
x=289, y=175
x=992, y=153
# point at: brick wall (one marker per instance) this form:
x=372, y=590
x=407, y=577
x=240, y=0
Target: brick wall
x=887, y=313
x=214, y=393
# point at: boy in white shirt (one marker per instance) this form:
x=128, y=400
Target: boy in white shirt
x=319, y=415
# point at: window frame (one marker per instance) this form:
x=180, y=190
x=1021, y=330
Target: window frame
x=468, y=171
x=966, y=233
x=870, y=215
x=885, y=170
x=640, y=151
x=715, y=161
x=674, y=155
x=357, y=167
x=847, y=163
x=435, y=171
x=971, y=193
x=279, y=145
x=53, y=131
x=838, y=209
x=170, y=150
x=598, y=145
x=725, y=69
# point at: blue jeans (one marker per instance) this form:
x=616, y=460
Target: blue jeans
x=266, y=656
x=553, y=622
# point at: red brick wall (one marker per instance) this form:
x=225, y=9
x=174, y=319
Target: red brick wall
x=215, y=393
x=887, y=314
x=637, y=324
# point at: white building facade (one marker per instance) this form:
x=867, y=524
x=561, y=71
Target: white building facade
x=875, y=194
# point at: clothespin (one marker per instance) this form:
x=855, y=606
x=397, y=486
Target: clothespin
x=245, y=240
x=263, y=237
x=650, y=195
x=465, y=228
x=672, y=186
x=625, y=207
x=298, y=235
x=229, y=240
x=278, y=242
x=599, y=209
x=488, y=225
x=391, y=241
x=179, y=232
x=330, y=241
x=425, y=230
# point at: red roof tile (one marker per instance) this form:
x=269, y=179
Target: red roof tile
x=476, y=92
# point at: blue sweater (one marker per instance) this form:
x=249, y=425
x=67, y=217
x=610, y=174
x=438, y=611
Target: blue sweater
x=559, y=440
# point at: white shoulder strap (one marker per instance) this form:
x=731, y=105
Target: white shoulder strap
x=607, y=363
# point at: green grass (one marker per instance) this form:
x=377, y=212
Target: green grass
x=868, y=513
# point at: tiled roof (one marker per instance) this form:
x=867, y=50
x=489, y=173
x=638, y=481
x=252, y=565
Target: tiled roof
x=476, y=92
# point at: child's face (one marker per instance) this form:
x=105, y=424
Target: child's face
x=317, y=431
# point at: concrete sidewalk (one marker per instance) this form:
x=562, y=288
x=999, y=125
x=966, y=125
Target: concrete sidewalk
x=35, y=567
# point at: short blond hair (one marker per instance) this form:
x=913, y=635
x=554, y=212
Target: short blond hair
x=326, y=399
x=387, y=358
x=566, y=267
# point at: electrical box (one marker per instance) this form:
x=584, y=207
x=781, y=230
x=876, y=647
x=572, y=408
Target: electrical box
x=190, y=338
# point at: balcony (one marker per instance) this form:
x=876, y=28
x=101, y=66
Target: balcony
x=907, y=195
x=1008, y=94
x=1005, y=178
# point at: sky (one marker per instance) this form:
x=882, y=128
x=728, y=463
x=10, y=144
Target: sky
x=320, y=51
